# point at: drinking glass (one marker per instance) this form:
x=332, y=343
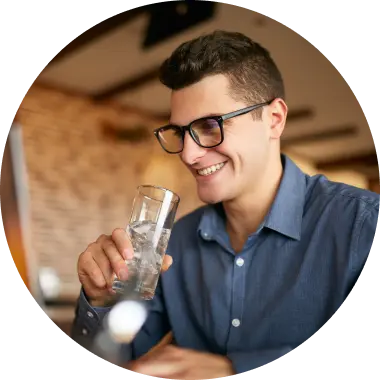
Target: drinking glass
x=150, y=224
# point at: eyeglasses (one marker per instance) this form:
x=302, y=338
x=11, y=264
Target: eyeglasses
x=207, y=132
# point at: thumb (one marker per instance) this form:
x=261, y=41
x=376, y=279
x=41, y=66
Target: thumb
x=167, y=262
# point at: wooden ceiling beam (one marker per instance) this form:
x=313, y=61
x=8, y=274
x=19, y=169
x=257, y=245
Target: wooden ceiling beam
x=98, y=31
x=128, y=84
x=352, y=162
x=320, y=136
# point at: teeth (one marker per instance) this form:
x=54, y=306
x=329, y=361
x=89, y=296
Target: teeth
x=211, y=169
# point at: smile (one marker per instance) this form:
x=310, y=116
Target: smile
x=210, y=170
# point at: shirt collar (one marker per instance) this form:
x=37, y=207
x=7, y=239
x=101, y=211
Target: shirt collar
x=285, y=215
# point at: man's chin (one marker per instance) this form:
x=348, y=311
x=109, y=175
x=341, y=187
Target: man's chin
x=210, y=198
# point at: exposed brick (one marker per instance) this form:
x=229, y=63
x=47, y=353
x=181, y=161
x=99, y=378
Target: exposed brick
x=81, y=185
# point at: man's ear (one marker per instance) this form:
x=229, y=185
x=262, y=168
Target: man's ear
x=277, y=112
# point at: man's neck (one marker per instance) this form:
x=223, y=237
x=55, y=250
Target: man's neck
x=245, y=213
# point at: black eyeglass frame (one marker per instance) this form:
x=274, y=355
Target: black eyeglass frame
x=219, y=119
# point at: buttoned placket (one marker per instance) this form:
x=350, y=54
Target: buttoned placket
x=239, y=274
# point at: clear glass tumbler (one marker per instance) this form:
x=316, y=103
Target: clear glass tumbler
x=150, y=224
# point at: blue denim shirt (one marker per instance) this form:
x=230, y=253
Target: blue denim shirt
x=289, y=279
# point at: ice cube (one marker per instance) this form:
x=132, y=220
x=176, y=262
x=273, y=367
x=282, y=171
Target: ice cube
x=142, y=227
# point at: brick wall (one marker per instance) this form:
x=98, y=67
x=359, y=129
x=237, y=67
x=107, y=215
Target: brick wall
x=82, y=184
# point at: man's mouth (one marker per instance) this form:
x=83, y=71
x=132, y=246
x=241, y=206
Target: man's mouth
x=210, y=169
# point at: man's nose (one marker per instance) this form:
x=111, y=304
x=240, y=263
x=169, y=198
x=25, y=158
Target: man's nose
x=192, y=152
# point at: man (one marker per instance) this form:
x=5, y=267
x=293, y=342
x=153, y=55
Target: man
x=274, y=253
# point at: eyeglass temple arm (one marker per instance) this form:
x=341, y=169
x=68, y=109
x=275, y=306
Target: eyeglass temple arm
x=243, y=111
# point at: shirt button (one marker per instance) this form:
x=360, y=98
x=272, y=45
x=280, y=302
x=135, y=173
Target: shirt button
x=240, y=262
x=235, y=323
x=89, y=314
x=84, y=332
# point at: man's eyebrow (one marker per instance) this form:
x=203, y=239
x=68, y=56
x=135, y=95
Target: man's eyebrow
x=212, y=114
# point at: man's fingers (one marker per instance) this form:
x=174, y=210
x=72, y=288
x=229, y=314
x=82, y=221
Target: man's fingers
x=117, y=261
x=104, y=264
x=93, y=292
x=122, y=243
x=163, y=362
x=166, y=263
x=158, y=366
x=88, y=267
x=155, y=369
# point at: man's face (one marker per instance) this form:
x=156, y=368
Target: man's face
x=242, y=157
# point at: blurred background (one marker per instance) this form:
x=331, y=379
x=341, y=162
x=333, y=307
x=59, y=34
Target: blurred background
x=82, y=138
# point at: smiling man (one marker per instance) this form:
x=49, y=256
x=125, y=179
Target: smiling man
x=272, y=255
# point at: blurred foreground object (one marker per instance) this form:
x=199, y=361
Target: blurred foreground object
x=12, y=188
x=14, y=211
x=121, y=325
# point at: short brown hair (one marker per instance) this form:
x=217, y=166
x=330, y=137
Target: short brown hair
x=253, y=75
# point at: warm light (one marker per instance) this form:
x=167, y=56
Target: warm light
x=16, y=251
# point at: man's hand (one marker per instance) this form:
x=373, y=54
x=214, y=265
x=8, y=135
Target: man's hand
x=172, y=362
x=102, y=259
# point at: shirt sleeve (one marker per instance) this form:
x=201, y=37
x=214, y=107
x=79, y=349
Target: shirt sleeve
x=247, y=360
x=88, y=321
x=365, y=237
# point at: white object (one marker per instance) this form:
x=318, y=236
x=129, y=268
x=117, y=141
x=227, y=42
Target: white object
x=125, y=320
x=236, y=323
x=49, y=283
